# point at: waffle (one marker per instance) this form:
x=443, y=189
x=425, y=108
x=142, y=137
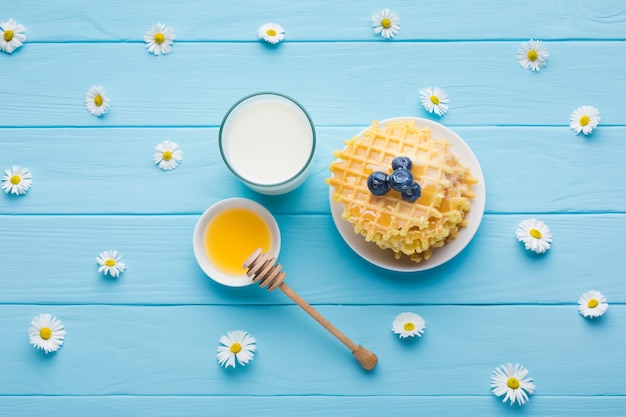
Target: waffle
x=407, y=228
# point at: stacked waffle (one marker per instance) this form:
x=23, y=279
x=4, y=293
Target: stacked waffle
x=410, y=228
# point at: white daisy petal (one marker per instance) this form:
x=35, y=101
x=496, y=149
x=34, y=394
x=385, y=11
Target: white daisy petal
x=533, y=55
x=16, y=180
x=46, y=333
x=592, y=304
x=386, y=23
x=584, y=119
x=167, y=156
x=408, y=325
x=236, y=344
x=271, y=33
x=97, y=101
x=435, y=100
x=535, y=235
x=110, y=264
x=512, y=383
x=159, y=39
x=11, y=36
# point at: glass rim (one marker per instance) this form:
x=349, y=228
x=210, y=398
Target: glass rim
x=291, y=178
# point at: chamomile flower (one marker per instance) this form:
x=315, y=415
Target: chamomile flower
x=12, y=36
x=434, y=100
x=46, y=333
x=408, y=324
x=386, y=23
x=592, y=304
x=16, y=180
x=584, y=119
x=110, y=263
x=535, y=235
x=97, y=101
x=236, y=344
x=532, y=55
x=511, y=382
x=167, y=155
x=159, y=39
x=271, y=33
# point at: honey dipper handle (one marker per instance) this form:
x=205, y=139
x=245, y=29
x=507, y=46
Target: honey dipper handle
x=367, y=359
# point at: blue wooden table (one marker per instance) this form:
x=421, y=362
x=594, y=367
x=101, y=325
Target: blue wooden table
x=145, y=344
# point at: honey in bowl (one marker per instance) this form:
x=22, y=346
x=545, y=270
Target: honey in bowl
x=232, y=235
x=227, y=233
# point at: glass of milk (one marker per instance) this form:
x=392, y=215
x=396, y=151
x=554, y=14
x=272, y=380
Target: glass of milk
x=267, y=140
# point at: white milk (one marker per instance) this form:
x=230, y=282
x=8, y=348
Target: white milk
x=268, y=141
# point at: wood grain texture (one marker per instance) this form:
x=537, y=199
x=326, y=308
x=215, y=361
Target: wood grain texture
x=262, y=406
x=145, y=344
x=197, y=20
x=161, y=268
x=339, y=82
x=96, y=171
x=170, y=350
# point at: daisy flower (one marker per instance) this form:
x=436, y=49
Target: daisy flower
x=16, y=180
x=167, y=155
x=12, y=36
x=584, y=119
x=386, y=23
x=236, y=344
x=535, y=235
x=110, y=263
x=532, y=55
x=435, y=100
x=271, y=33
x=159, y=39
x=97, y=101
x=46, y=332
x=592, y=304
x=408, y=324
x=511, y=382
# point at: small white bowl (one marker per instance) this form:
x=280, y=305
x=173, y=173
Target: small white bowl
x=199, y=251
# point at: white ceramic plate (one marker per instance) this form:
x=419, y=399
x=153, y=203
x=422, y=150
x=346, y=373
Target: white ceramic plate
x=385, y=258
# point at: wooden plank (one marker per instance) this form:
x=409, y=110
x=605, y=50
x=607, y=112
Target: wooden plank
x=94, y=171
x=170, y=350
x=343, y=83
x=51, y=259
x=119, y=20
x=199, y=406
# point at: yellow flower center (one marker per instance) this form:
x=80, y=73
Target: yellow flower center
x=45, y=333
x=235, y=348
x=434, y=100
x=593, y=303
x=110, y=262
x=167, y=155
x=159, y=38
x=584, y=121
x=535, y=233
x=98, y=100
x=386, y=23
x=513, y=383
x=532, y=55
x=15, y=179
x=8, y=35
x=271, y=32
x=409, y=326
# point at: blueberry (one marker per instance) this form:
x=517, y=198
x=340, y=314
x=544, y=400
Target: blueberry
x=401, y=179
x=412, y=193
x=378, y=183
x=401, y=162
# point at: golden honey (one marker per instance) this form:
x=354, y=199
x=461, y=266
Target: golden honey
x=232, y=236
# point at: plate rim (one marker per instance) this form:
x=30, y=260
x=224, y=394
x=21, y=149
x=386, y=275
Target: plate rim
x=359, y=245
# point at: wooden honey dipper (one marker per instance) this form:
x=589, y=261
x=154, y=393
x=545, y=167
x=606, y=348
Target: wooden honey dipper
x=264, y=271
